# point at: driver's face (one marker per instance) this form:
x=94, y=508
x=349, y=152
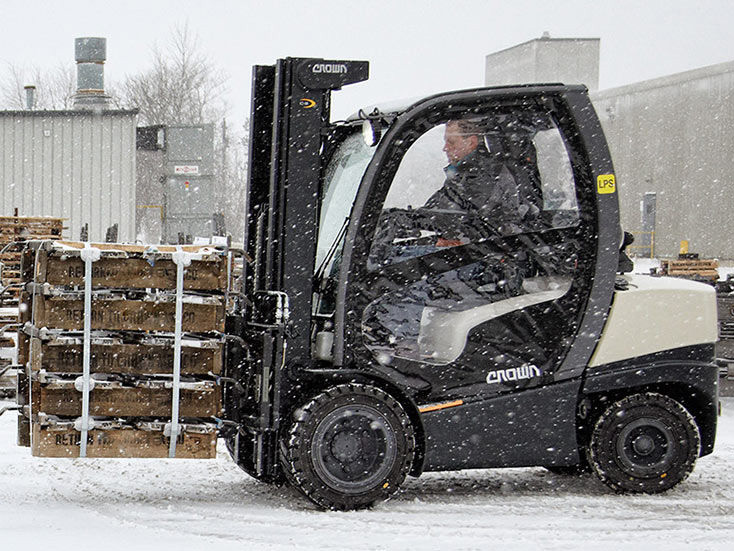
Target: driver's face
x=458, y=145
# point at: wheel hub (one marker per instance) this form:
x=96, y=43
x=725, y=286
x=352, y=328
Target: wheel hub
x=644, y=447
x=643, y=444
x=346, y=447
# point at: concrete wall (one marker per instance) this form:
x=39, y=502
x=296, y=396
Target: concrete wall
x=674, y=136
x=566, y=60
x=75, y=165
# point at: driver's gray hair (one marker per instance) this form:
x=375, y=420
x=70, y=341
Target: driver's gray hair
x=467, y=127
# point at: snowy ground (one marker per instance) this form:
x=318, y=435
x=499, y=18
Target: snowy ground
x=162, y=505
x=166, y=505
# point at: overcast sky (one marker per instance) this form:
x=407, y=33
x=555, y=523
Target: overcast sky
x=414, y=47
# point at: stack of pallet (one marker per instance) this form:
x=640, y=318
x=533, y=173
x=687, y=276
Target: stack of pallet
x=131, y=340
x=17, y=229
x=691, y=268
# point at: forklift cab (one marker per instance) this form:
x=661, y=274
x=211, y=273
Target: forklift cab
x=456, y=272
x=428, y=288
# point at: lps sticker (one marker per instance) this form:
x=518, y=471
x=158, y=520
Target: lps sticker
x=307, y=103
x=605, y=183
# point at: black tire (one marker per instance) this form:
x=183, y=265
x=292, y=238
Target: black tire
x=645, y=443
x=348, y=447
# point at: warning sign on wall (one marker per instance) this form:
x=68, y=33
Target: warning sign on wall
x=186, y=169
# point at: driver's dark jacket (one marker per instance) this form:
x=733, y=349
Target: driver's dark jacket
x=480, y=185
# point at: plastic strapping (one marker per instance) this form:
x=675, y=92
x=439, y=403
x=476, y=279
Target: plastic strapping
x=89, y=255
x=181, y=259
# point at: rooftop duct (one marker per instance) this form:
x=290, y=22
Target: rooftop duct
x=90, y=54
x=30, y=97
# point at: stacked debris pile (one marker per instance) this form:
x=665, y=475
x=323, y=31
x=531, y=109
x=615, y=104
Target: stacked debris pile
x=123, y=348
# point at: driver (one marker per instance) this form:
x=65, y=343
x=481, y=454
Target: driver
x=477, y=182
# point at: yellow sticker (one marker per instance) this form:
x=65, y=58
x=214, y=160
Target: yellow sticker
x=605, y=183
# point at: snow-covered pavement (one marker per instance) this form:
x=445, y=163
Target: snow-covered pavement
x=162, y=505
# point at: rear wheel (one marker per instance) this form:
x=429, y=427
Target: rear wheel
x=348, y=447
x=644, y=443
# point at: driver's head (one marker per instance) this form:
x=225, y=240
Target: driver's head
x=460, y=139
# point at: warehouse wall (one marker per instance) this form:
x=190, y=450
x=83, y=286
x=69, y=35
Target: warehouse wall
x=673, y=136
x=70, y=164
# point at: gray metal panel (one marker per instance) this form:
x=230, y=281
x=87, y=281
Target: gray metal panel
x=672, y=136
x=78, y=166
x=190, y=197
x=191, y=144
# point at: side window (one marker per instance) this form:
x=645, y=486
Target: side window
x=556, y=177
x=490, y=186
x=472, y=178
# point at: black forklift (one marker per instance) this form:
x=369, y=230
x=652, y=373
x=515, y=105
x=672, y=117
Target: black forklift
x=382, y=332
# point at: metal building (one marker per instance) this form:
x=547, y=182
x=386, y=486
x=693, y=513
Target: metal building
x=77, y=164
x=672, y=143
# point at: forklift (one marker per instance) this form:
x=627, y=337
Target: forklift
x=382, y=333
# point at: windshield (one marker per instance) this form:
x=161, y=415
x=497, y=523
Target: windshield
x=341, y=183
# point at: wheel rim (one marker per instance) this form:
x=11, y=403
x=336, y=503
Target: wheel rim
x=646, y=447
x=353, y=448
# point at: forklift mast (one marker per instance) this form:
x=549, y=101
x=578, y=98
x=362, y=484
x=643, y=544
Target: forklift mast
x=290, y=111
x=290, y=107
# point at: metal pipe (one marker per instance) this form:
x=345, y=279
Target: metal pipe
x=30, y=97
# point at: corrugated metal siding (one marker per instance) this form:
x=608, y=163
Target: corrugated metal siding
x=673, y=136
x=78, y=166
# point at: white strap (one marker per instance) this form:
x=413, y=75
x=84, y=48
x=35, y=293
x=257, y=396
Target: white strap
x=89, y=255
x=181, y=259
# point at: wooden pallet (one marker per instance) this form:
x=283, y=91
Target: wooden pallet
x=119, y=313
x=691, y=268
x=65, y=355
x=62, y=266
x=131, y=348
x=17, y=229
x=63, y=441
x=63, y=399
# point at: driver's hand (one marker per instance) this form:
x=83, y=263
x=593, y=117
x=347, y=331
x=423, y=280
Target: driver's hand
x=448, y=242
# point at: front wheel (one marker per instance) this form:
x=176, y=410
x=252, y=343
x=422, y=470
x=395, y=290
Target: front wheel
x=348, y=447
x=644, y=443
